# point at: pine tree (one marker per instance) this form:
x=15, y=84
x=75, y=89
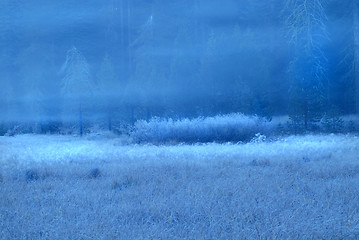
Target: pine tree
x=348, y=66
x=356, y=50
x=10, y=109
x=307, y=33
x=109, y=89
x=36, y=83
x=77, y=86
x=182, y=73
x=146, y=69
x=209, y=67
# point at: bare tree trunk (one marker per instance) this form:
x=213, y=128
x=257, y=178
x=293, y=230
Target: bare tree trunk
x=356, y=51
x=148, y=113
x=132, y=114
x=122, y=33
x=129, y=37
x=109, y=120
x=80, y=121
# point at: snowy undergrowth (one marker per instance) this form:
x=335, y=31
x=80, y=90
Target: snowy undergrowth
x=62, y=187
x=222, y=128
x=235, y=127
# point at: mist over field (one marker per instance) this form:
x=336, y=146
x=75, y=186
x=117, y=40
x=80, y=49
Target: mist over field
x=121, y=61
x=192, y=119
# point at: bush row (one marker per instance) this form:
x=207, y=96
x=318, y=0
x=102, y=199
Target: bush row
x=223, y=128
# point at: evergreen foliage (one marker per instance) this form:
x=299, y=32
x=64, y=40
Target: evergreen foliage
x=307, y=34
x=176, y=59
x=77, y=86
x=109, y=90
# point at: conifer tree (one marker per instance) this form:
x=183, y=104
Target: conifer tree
x=109, y=88
x=307, y=34
x=356, y=50
x=77, y=86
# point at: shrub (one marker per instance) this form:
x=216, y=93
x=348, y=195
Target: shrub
x=128, y=181
x=14, y=131
x=332, y=121
x=94, y=173
x=223, y=128
x=351, y=126
x=258, y=138
x=3, y=130
x=32, y=175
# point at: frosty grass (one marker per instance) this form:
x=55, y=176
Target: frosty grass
x=63, y=187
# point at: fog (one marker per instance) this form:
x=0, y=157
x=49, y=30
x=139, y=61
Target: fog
x=120, y=61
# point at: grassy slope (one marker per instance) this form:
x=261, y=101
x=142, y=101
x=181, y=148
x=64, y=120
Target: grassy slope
x=297, y=188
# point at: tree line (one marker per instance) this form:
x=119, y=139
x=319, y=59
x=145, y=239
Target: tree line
x=117, y=61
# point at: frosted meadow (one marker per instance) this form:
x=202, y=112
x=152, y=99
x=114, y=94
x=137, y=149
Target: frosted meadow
x=192, y=119
x=102, y=187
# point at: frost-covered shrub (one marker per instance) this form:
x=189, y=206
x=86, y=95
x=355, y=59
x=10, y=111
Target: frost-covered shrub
x=332, y=121
x=126, y=182
x=350, y=126
x=351, y=123
x=332, y=124
x=14, y=131
x=32, y=175
x=258, y=138
x=3, y=130
x=223, y=128
x=94, y=173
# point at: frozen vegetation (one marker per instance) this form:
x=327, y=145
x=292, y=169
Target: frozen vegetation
x=103, y=187
x=221, y=128
x=235, y=127
x=202, y=119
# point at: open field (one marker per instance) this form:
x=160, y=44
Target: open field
x=63, y=187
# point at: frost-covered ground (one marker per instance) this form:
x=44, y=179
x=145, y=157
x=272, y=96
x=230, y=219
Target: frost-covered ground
x=63, y=187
